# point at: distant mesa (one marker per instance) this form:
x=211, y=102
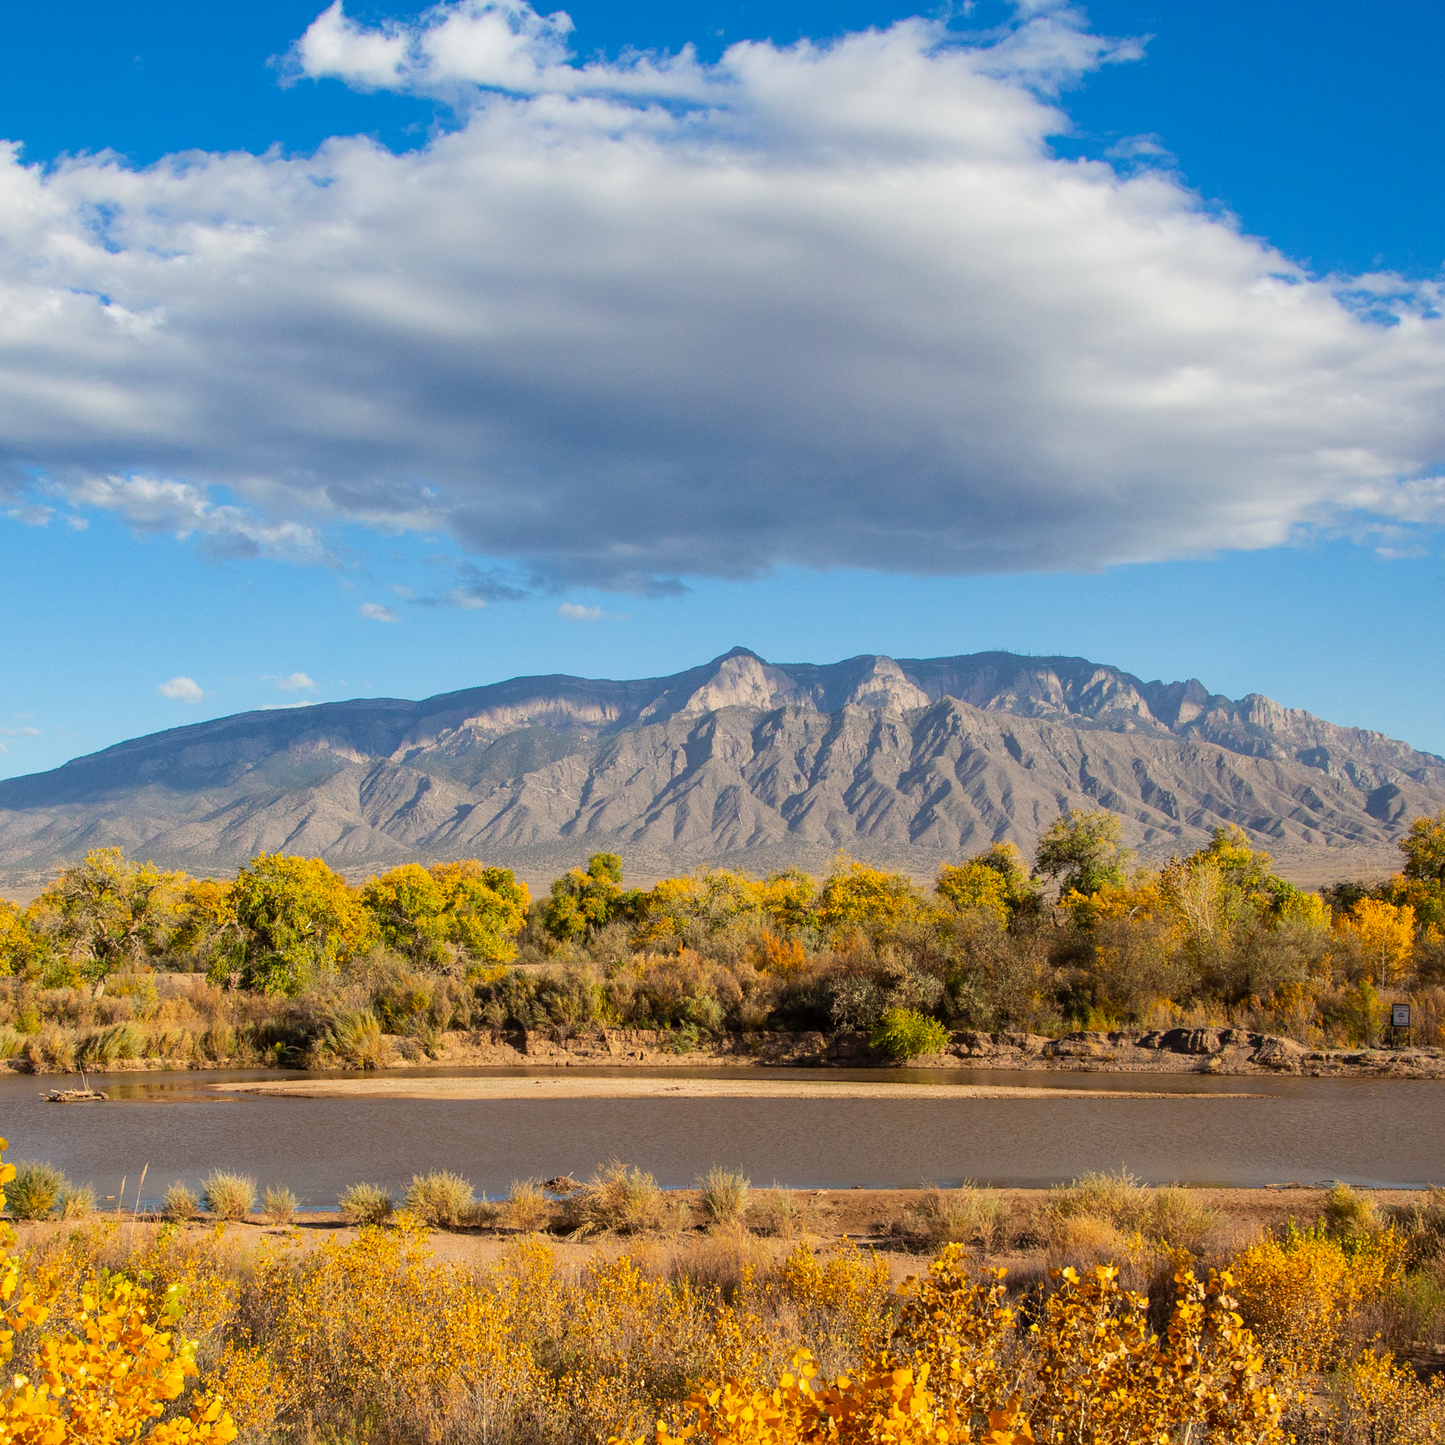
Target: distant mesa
x=908, y=762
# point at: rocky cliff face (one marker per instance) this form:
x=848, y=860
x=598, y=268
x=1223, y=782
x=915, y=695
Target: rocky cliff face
x=910, y=761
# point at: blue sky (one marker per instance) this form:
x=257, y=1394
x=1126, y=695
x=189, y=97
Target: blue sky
x=479, y=435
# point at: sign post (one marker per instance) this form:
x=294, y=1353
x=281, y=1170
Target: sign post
x=1400, y=1022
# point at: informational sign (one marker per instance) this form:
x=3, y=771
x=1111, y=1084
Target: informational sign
x=1400, y=1015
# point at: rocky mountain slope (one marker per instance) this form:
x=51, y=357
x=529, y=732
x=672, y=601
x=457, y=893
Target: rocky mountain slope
x=908, y=762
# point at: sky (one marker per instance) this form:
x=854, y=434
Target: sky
x=388, y=351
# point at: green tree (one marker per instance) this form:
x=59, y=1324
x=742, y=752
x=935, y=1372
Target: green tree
x=108, y=913
x=581, y=903
x=297, y=919
x=1082, y=852
x=1424, y=849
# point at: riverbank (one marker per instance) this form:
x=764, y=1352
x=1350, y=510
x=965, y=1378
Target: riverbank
x=1221, y=1051
x=901, y=1223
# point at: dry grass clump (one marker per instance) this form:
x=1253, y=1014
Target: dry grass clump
x=355, y=1038
x=77, y=1201
x=480, y=1213
x=178, y=1203
x=365, y=1204
x=35, y=1190
x=966, y=1215
x=1095, y=1214
x=280, y=1204
x=527, y=1206
x=439, y=1199
x=1348, y=1215
x=724, y=1196
x=620, y=1199
x=229, y=1196
x=721, y=1261
x=782, y=1215
x=1423, y=1223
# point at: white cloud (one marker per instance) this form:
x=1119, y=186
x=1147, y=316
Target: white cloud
x=292, y=682
x=21, y=732
x=181, y=689
x=153, y=505
x=575, y=612
x=32, y=516
x=376, y=612
x=818, y=305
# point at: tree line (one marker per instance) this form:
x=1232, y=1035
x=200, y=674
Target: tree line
x=1076, y=936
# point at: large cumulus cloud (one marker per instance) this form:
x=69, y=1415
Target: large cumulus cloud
x=627, y=322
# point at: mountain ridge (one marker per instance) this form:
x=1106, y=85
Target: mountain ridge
x=910, y=761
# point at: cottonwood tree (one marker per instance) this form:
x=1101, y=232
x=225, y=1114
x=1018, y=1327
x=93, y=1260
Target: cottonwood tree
x=1082, y=852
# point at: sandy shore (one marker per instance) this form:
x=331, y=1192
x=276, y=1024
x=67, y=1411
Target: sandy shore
x=572, y=1087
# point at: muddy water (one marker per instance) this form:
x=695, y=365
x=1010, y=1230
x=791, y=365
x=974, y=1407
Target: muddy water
x=1203, y=1131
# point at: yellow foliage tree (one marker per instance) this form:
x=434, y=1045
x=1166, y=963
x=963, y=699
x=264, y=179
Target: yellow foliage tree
x=463, y=907
x=107, y=913
x=1386, y=933
x=855, y=896
x=995, y=881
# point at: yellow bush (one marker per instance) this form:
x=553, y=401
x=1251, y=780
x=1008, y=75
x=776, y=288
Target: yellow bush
x=105, y=1382
x=1302, y=1294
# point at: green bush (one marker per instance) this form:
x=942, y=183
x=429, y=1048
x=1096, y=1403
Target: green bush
x=366, y=1204
x=35, y=1190
x=280, y=1204
x=904, y=1033
x=725, y=1196
x=439, y=1198
x=230, y=1196
x=178, y=1203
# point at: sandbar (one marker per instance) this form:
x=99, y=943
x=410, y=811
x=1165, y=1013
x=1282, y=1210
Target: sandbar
x=621, y=1087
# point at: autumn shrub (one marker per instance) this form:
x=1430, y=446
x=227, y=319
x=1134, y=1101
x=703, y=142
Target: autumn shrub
x=179, y=1203
x=35, y=1189
x=724, y=1196
x=108, y=1365
x=77, y=1201
x=1311, y=1297
x=11, y=1043
x=279, y=1204
x=439, y=1198
x=355, y=1038
x=365, y=1204
x=229, y=1196
x=618, y=1199
x=967, y=1215
x=1348, y=1214
x=527, y=1206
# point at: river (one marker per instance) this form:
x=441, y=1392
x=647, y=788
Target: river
x=1201, y=1130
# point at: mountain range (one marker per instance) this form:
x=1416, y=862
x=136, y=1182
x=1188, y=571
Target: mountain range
x=909, y=762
